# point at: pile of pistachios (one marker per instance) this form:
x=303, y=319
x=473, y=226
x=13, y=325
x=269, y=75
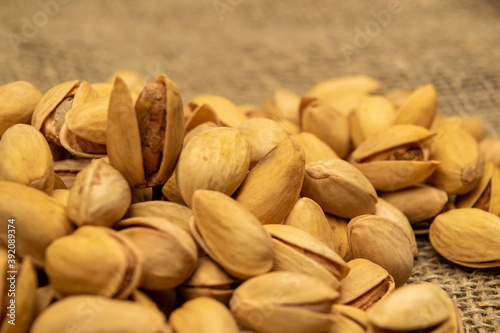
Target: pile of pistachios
x=125, y=209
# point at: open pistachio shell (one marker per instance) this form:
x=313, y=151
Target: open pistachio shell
x=202, y=114
x=419, y=108
x=175, y=213
x=227, y=112
x=314, y=148
x=348, y=318
x=68, y=169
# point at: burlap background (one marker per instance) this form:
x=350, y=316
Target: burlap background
x=243, y=49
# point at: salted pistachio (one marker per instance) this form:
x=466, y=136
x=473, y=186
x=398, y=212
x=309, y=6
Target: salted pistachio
x=328, y=124
x=299, y=303
x=208, y=280
x=227, y=112
x=172, y=192
x=90, y=314
x=419, y=108
x=383, y=242
x=223, y=227
x=18, y=100
x=398, y=97
x=175, y=213
x=69, y=168
x=385, y=209
x=365, y=285
x=202, y=315
x=297, y=251
x=461, y=161
x=360, y=83
x=307, y=215
x=94, y=260
x=339, y=230
x=396, y=157
x=217, y=159
x=203, y=113
x=39, y=220
x=263, y=135
x=486, y=195
x=144, y=141
x=26, y=158
x=169, y=252
x=339, y=188
x=491, y=150
x=470, y=124
x=314, y=148
x=468, y=237
x=348, y=318
x=288, y=103
x=132, y=79
x=141, y=194
x=375, y=114
x=99, y=196
x=419, y=202
x=421, y=307
x=17, y=292
x=272, y=187
x=61, y=196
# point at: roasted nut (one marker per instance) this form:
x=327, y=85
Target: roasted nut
x=348, y=319
x=419, y=108
x=314, y=148
x=227, y=112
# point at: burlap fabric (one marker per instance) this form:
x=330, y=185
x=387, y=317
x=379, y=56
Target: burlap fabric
x=244, y=49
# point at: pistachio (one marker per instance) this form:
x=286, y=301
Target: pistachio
x=462, y=163
x=94, y=260
x=396, y=157
x=288, y=103
x=39, y=219
x=171, y=191
x=26, y=158
x=131, y=78
x=203, y=315
x=202, y=114
x=217, y=159
x=68, y=169
x=383, y=242
x=272, y=187
x=61, y=196
x=399, y=96
x=419, y=108
x=99, y=196
x=223, y=227
x=102, y=88
x=314, y=148
x=339, y=188
x=348, y=319
x=227, y=112
x=359, y=83
x=169, y=252
x=284, y=302
x=339, y=230
x=18, y=100
x=89, y=314
x=491, y=149
x=470, y=124
x=366, y=284
x=142, y=194
x=198, y=130
x=468, y=237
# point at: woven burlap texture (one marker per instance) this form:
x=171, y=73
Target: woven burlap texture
x=244, y=49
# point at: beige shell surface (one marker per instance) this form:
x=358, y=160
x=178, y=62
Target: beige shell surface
x=202, y=114
x=89, y=120
x=227, y=112
x=175, y=213
x=359, y=83
x=491, y=150
x=314, y=148
x=419, y=108
x=288, y=102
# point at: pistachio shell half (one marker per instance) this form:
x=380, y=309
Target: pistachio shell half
x=227, y=112
x=419, y=108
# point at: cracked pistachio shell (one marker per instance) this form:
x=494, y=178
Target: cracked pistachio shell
x=392, y=170
x=383, y=242
x=26, y=282
x=486, y=195
x=203, y=315
x=202, y=114
x=68, y=169
x=300, y=303
x=307, y=215
x=491, y=150
x=366, y=284
x=314, y=148
x=94, y=260
x=348, y=319
x=410, y=308
x=40, y=219
x=339, y=188
x=26, y=158
x=144, y=141
x=272, y=187
x=359, y=83
x=468, y=237
x=419, y=108
x=298, y=251
x=462, y=163
x=419, y=202
x=171, y=191
x=339, y=230
x=208, y=280
x=227, y=112
x=328, y=124
x=288, y=103
x=217, y=160
x=18, y=100
x=375, y=114
x=99, y=196
x=90, y=314
x=169, y=252
x=263, y=135
x=223, y=228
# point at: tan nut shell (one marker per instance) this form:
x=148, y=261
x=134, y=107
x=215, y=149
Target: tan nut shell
x=359, y=83
x=468, y=237
x=470, y=124
x=288, y=103
x=224, y=227
x=68, y=169
x=339, y=188
x=227, y=112
x=339, y=227
x=302, y=306
x=26, y=158
x=217, y=160
x=419, y=108
x=171, y=191
x=272, y=187
x=202, y=114
x=491, y=150
x=348, y=319
x=40, y=219
x=314, y=148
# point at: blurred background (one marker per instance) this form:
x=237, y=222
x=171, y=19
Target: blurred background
x=244, y=49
